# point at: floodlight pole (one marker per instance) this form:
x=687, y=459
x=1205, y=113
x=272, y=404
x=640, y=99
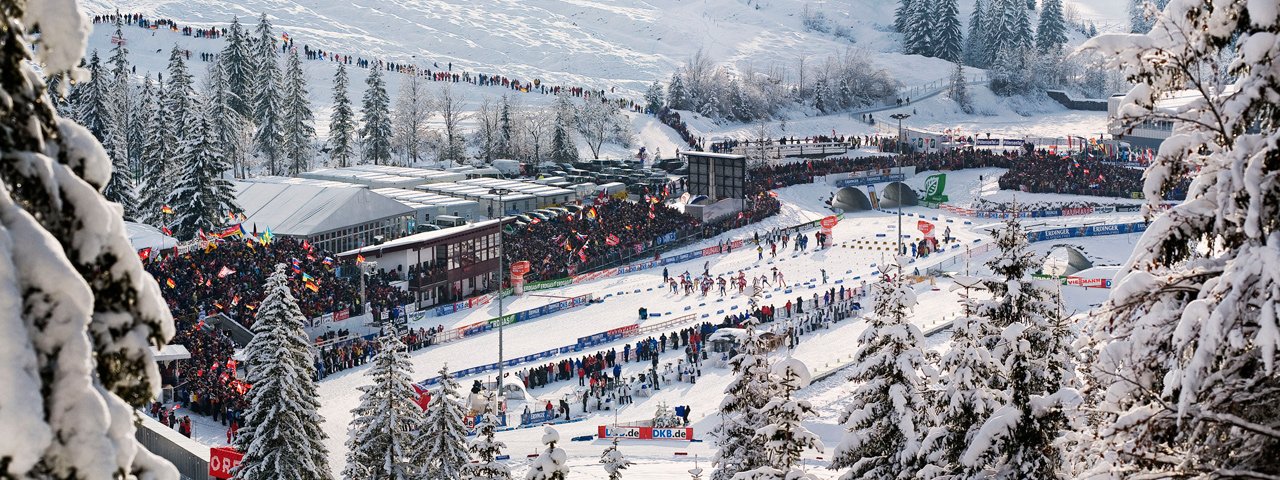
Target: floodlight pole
x=502, y=211
x=898, y=161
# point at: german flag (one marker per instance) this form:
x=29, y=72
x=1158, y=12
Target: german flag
x=167, y=210
x=170, y=283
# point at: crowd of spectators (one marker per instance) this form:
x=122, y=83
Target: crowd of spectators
x=338, y=350
x=578, y=243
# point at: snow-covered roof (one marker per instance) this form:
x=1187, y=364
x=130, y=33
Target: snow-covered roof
x=143, y=236
x=304, y=210
x=420, y=238
x=170, y=353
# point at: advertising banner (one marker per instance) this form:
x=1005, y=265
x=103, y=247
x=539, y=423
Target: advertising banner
x=926, y=228
x=644, y=433
x=934, y=187
x=871, y=194
x=1067, y=212
x=222, y=460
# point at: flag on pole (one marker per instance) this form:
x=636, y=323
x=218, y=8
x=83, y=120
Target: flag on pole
x=359, y=258
x=144, y=254
x=170, y=283
x=167, y=210
x=612, y=240
x=225, y=271
x=328, y=261
x=591, y=213
x=296, y=265
x=166, y=231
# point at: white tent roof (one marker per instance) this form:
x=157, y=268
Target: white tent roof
x=143, y=236
x=303, y=210
x=170, y=353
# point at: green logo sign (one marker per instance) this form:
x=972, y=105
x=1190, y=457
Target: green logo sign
x=933, y=188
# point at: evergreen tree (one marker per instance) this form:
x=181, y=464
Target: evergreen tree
x=442, y=442
x=677, y=95
x=975, y=47
x=562, y=147
x=948, y=39
x=238, y=67
x=959, y=89
x=505, y=130
x=822, y=98
x=653, y=98
x=742, y=410
x=919, y=39
x=180, y=97
x=281, y=435
x=267, y=105
x=783, y=437
x=888, y=415
x=550, y=464
x=375, y=135
x=201, y=198
x=614, y=462
x=121, y=98
x=297, y=117
x=342, y=122
x=486, y=447
x=1022, y=34
x=381, y=443
x=82, y=316
x=228, y=126
x=146, y=103
x=1021, y=438
x=1185, y=373
x=159, y=153
x=1051, y=33
x=100, y=117
x=971, y=388
x=902, y=16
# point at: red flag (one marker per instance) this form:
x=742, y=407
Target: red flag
x=225, y=271
x=583, y=255
x=144, y=254
x=612, y=240
x=166, y=231
x=424, y=396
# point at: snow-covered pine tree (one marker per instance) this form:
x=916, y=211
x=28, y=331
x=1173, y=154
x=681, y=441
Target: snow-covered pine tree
x=1051, y=32
x=381, y=443
x=442, y=442
x=742, y=410
x=948, y=38
x=486, y=448
x=180, y=96
x=342, y=128
x=550, y=464
x=1021, y=438
x=959, y=89
x=81, y=315
x=121, y=100
x=887, y=419
x=267, y=104
x=281, y=435
x=822, y=97
x=783, y=436
x=159, y=152
x=975, y=47
x=506, y=130
x=677, y=95
x=296, y=117
x=919, y=37
x=1023, y=35
x=653, y=97
x=1143, y=14
x=146, y=102
x=200, y=195
x=562, y=147
x=902, y=17
x=375, y=134
x=1186, y=348
x=614, y=462
x=971, y=388
x=238, y=65
x=99, y=115
x=228, y=126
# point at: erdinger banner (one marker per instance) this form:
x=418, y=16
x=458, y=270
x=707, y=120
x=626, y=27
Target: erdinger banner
x=644, y=433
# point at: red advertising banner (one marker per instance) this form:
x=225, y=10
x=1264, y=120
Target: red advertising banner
x=1089, y=282
x=644, y=433
x=341, y=315
x=222, y=460
x=926, y=228
x=626, y=331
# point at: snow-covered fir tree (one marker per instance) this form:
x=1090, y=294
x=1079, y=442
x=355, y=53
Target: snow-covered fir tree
x=1021, y=438
x=342, y=127
x=100, y=115
x=506, y=129
x=959, y=89
x=146, y=103
x=81, y=316
x=614, y=461
x=238, y=66
x=563, y=148
x=122, y=100
x=902, y=16
x=442, y=442
x=971, y=387
x=485, y=447
x=653, y=97
x=269, y=138
x=228, y=126
x=375, y=134
x=180, y=96
x=1143, y=14
x=1051, y=32
x=200, y=195
x=296, y=117
x=381, y=443
x=742, y=410
x=919, y=38
x=677, y=95
x=975, y=46
x=1186, y=345
x=783, y=437
x=887, y=419
x=551, y=463
x=159, y=154
x=948, y=37
x=280, y=435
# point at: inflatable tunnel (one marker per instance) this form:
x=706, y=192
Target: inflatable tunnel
x=851, y=199
x=1065, y=260
x=898, y=193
